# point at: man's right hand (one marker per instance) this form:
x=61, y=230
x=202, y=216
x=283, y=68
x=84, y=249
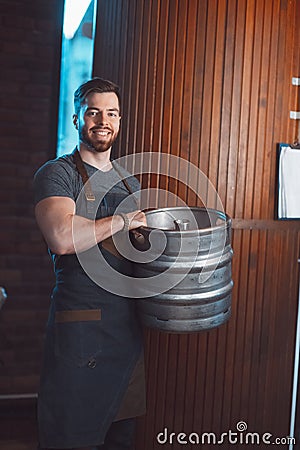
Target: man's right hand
x=136, y=219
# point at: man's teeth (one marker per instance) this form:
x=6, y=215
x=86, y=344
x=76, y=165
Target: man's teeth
x=101, y=133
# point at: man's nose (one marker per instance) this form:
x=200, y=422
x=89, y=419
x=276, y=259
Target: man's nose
x=101, y=117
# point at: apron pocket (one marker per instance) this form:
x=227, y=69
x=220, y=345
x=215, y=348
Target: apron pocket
x=78, y=335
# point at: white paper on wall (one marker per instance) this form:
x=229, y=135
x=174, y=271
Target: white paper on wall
x=289, y=183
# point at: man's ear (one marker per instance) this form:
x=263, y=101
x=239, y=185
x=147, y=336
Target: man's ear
x=75, y=121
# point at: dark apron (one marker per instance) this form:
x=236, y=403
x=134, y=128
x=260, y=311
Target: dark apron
x=92, y=355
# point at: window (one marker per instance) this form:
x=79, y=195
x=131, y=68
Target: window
x=76, y=65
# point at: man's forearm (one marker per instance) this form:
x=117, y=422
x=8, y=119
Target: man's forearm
x=87, y=233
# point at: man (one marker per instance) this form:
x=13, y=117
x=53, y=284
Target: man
x=92, y=376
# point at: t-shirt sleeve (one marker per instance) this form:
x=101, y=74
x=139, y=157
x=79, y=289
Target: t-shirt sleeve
x=52, y=180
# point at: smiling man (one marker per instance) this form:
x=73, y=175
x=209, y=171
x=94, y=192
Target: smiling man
x=97, y=120
x=92, y=381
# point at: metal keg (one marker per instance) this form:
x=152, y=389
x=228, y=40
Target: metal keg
x=196, y=256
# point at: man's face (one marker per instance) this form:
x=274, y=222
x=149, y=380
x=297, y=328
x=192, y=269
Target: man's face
x=99, y=121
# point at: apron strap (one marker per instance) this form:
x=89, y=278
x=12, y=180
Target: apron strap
x=125, y=182
x=88, y=191
x=89, y=194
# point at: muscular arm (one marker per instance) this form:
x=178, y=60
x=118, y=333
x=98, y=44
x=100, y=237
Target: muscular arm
x=63, y=230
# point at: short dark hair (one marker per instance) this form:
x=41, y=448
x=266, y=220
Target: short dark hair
x=94, y=85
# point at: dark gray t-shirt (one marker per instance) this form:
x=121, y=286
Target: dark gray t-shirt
x=60, y=178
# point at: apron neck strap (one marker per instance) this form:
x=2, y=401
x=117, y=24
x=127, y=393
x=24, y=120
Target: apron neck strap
x=89, y=194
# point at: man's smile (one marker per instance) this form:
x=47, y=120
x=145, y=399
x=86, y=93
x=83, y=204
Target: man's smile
x=101, y=132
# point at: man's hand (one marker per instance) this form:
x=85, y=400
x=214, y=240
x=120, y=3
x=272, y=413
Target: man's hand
x=136, y=219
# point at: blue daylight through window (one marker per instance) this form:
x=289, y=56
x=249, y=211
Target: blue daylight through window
x=76, y=65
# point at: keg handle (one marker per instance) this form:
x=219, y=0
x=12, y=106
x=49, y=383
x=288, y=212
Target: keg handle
x=182, y=224
x=140, y=238
x=140, y=235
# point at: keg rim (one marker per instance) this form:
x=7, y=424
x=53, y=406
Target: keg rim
x=224, y=216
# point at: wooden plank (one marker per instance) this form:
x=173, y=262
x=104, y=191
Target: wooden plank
x=271, y=130
x=198, y=82
x=240, y=327
x=160, y=79
x=214, y=153
x=287, y=306
x=257, y=354
x=239, y=113
x=256, y=39
x=149, y=180
x=229, y=345
x=255, y=224
x=187, y=97
x=263, y=101
x=200, y=381
x=217, y=421
x=181, y=386
x=167, y=98
x=152, y=352
x=177, y=114
x=226, y=185
x=208, y=86
x=191, y=396
x=250, y=327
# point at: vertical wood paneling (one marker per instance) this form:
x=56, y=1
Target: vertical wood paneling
x=210, y=81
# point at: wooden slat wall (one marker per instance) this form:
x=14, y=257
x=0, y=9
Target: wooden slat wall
x=210, y=81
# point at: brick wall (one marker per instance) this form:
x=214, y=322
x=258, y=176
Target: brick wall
x=30, y=32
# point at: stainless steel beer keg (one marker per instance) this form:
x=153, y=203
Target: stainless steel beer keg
x=191, y=252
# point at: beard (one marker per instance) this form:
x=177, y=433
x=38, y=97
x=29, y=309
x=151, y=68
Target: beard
x=96, y=144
